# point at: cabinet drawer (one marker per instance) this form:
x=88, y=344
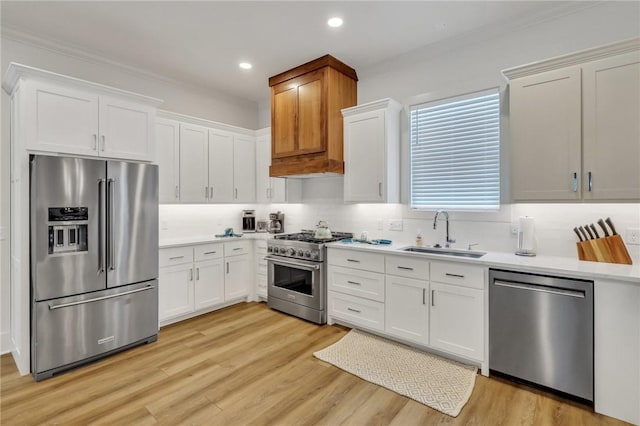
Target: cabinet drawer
x=373, y=262
x=357, y=283
x=235, y=248
x=458, y=273
x=261, y=245
x=208, y=251
x=357, y=311
x=175, y=256
x=405, y=266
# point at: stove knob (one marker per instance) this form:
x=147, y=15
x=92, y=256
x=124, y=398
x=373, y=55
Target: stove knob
x=307, y=253
x=269, y=249
x=315, y=255
x=300, y=253
x=283, y=250
x=292, y=252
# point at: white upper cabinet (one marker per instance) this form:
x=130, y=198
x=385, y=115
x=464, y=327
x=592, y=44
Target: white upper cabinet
x=194, y=186
x=546, y=135
x=574, y=126
x=244, y=169
x=371, y=152
x=221, y=162
x=611, y=128
x=70, y=116
x=168, y=159
x=271, y=189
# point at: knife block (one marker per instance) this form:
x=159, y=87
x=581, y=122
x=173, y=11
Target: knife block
x=607, y=249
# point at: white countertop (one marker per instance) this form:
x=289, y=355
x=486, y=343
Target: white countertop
x=565, y=266
x=210, y=238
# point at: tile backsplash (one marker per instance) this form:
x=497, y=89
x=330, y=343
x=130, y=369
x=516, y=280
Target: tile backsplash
x=322, y=200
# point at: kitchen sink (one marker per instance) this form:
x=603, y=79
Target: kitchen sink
x=445, y=251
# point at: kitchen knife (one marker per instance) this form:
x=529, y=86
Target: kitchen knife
x=604, y=227
x=595, y=231
x=589, y=232
x=584, y=233
x=578, y=234
x=610, y=223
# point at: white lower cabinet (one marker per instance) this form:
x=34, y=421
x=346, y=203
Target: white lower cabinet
x=195, y=279
x=176, y=295
x=456, y=316
x=407, y=308
x=260, y=253
x=209, y=283
x=238, y=269
x=431, y=303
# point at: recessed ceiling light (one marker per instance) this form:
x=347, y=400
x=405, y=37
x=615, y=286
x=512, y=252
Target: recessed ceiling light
x=245, y=65
x=335, y=22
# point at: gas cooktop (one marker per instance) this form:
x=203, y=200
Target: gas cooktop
x=308, y=236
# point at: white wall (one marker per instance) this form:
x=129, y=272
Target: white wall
x=177, y=97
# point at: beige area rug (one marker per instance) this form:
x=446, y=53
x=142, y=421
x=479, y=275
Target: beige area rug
x=436, y=382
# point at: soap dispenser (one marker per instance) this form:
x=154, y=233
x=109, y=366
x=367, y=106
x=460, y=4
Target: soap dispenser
x=419, y=240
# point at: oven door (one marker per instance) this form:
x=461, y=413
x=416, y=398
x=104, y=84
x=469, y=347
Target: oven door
x=296, y=281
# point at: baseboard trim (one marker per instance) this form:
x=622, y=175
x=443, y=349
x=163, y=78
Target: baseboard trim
x=6, y=345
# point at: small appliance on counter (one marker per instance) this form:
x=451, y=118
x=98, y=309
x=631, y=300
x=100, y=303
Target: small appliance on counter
x=262, y=225
x=526, y=236
x=248, y=221
x=276, y=223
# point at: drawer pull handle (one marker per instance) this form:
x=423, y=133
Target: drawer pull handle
x=354, y=282
x=406, y=268
x=454, y=275
x=237, y=248
x=354, y=310
x=176, y=257
x=424, y=293
x=353, y=260
x=210, y=252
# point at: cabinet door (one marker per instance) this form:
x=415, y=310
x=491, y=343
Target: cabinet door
x=221, y=188
x=167, y=157
x=62, y=120
x=238, y=277
x=244, y=169
x=611, y=138
x=209, y=283
x=284, y=104
x=311, y=132
x=193, y=164
x=407, y=309
x=263, y=161
x=176, y=296
x=545, y=124
x=456, y=317
x=126, y=129
x=364, y=168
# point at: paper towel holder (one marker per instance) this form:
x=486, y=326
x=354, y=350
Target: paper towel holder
x=526, y=243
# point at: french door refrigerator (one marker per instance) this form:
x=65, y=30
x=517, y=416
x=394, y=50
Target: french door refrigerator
x=94, y=259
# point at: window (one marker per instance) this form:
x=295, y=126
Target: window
x=455, y=153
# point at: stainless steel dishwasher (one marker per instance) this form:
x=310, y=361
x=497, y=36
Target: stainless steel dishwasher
x=541, y=330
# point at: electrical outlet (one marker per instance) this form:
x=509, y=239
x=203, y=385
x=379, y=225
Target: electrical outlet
x=395, y=225
x=514, y=228
x=632, y=236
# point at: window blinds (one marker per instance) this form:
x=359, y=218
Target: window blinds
x=455, y=153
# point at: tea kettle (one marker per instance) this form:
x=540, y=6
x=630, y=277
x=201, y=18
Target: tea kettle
x=322, y=230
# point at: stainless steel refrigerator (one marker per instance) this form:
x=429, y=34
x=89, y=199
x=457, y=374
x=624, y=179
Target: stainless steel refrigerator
x=94, y=259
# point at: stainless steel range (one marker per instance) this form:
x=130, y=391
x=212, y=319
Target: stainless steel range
x=297, y=282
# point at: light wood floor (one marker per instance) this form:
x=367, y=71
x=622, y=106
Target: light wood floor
x=246, y=365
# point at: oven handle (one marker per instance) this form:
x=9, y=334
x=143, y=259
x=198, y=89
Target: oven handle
x=298, y=265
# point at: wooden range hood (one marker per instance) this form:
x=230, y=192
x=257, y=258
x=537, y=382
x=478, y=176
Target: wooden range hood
x=306, y=122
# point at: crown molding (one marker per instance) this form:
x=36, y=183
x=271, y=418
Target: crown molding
x=577, y=58
x=16, y=72
x=183, y=118
x=386, y=103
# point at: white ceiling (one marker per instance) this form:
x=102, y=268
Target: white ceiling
x=202, y=42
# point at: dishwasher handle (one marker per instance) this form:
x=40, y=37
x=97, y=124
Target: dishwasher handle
x=541, y=289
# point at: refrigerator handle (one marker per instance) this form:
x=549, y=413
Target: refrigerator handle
x=110, y=213
x=100, y=226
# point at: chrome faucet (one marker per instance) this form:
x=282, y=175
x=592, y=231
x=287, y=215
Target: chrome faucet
x=449, y=241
